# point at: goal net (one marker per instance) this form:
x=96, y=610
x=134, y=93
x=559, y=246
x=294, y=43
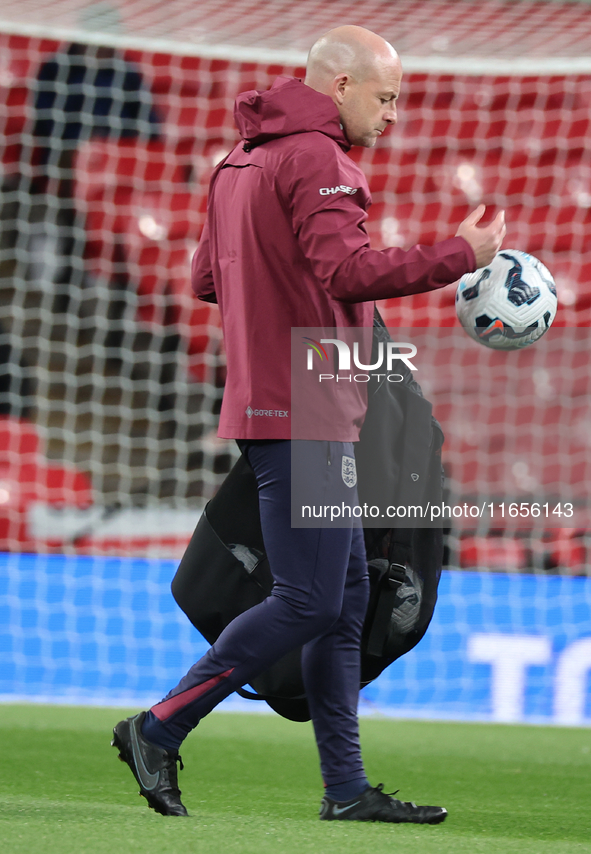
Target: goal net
x=113, y=118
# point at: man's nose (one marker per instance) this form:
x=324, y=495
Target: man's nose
x=391, y=116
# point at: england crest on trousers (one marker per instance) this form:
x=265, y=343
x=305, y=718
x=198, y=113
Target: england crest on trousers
x=349, y=471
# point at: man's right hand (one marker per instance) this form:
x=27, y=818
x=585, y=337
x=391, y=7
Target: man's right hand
x=486, y=241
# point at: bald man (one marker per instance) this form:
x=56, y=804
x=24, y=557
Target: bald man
x=285, y=246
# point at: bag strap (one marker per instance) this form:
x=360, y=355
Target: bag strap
x=249, y=695
x=400, y=547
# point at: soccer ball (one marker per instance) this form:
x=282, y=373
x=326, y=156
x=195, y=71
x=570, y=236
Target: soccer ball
x=509, y=304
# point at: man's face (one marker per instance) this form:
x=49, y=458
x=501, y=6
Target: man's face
x=368, y=106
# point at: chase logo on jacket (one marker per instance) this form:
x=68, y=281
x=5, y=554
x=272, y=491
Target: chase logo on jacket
x=342, y=188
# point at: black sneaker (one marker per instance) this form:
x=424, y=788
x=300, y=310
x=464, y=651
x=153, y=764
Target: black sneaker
x=376, y=805
x=153, y=767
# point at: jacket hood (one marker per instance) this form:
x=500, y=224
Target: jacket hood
x=288, y=107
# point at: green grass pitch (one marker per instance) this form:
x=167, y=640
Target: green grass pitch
x=251, y=784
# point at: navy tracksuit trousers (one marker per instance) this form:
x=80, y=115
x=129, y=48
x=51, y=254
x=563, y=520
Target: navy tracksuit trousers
x=319, y=600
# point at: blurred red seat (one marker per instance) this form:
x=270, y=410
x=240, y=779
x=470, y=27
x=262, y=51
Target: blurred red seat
x=27, y=477
x=503, y=554
x=19, y=441
x=104, y=166
x=13, y=119
x=145, y=221
x=564, y=549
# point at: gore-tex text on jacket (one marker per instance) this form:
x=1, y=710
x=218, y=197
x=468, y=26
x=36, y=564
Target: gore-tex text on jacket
x=285, y=246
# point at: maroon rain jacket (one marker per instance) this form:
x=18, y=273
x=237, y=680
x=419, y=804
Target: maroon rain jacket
x=285, y=246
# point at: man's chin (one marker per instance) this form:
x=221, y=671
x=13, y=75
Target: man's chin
x=366, y=141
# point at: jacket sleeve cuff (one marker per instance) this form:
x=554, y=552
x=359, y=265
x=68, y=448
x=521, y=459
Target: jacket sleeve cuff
x=470, y=256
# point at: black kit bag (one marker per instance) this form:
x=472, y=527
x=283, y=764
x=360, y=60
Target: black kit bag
x=404, y=562
x=224, y=570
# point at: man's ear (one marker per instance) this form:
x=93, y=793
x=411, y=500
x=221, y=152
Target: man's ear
x=340, y=84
